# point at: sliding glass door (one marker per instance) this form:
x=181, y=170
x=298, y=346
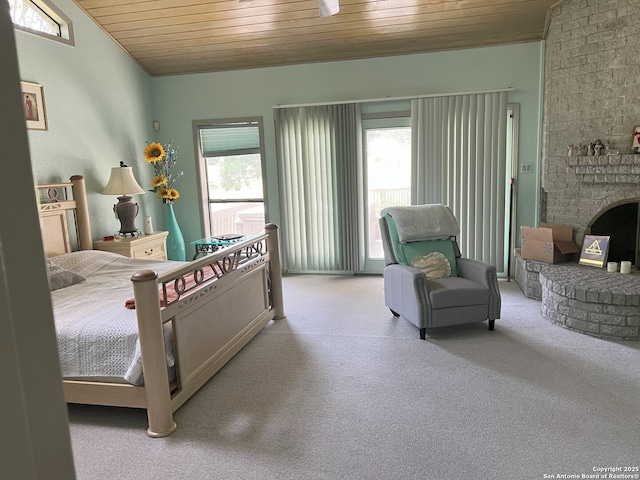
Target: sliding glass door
x=388, y=180
x=340, y=165
x=387, y=165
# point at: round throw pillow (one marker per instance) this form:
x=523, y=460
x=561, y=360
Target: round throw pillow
x=434, y=265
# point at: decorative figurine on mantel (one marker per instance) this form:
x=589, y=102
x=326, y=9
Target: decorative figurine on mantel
x=575, y=150
x=597, y=147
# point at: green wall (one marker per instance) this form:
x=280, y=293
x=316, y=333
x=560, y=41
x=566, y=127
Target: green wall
x=101, y=105
x=99, y=111
x=179, y=100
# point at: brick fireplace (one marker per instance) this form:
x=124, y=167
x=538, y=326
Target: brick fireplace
x=607, y=187
x=591, y=92
x=593, y=186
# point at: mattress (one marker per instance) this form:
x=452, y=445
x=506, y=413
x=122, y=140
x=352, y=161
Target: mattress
x=97, y=336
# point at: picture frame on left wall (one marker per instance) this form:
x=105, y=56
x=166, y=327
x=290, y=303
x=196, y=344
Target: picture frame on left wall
x=33, y=105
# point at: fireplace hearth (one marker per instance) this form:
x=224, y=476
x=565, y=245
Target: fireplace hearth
x=591, y=300
x=583, y=298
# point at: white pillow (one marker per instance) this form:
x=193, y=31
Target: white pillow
x=434, y=265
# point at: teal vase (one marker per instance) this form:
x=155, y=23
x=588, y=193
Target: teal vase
x=175, y=240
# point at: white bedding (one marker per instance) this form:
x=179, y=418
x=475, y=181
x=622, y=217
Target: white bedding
x=97, y=335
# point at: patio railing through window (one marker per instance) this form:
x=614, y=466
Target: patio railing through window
x=380, y=198
x=243, y=218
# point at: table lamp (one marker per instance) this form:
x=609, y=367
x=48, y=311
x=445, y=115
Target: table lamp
x=123, y=183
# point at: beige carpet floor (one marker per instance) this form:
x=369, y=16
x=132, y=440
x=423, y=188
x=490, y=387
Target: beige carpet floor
x=343, y=390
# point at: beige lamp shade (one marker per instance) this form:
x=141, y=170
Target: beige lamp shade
x=123, y=183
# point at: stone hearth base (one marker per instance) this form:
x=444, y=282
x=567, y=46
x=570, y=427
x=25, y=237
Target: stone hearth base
x=591, y=300
x=527, y=273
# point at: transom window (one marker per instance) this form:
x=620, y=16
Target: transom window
x=41, y=18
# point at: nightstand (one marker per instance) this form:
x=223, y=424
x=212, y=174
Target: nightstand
x=150, y=247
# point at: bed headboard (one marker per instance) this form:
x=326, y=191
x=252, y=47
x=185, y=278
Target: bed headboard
x=62, y=213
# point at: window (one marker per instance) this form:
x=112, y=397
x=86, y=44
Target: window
x=232, y=180
x=41, y=18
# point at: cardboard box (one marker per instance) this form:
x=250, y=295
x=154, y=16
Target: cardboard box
x=551, y=243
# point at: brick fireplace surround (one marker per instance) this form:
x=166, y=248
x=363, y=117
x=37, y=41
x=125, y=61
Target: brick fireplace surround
x=591, y=92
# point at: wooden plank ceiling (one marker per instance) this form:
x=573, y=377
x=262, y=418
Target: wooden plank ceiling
x=168, y=37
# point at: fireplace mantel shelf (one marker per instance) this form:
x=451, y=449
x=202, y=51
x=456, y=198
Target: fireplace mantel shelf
x=625, y=158
x=606, y=169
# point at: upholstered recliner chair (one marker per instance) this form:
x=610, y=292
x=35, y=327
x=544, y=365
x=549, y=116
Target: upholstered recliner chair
x=425, y=279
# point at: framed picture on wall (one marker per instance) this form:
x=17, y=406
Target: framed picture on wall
x=635, y=142
x=33, y=105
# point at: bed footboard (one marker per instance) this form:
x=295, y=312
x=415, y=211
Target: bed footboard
x=215, y=306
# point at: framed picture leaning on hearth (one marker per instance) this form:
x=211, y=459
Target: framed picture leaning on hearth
x=33, y=105
x=595, y=250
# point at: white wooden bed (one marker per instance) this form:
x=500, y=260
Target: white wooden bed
x=213, y=306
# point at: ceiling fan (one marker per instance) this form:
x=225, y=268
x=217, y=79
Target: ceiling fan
x=326, y=7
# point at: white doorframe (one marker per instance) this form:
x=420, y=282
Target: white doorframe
x=513, y=125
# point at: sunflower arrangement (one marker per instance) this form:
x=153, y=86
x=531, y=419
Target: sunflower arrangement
x=163, y=159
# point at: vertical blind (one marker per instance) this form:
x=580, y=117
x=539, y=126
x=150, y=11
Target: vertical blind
x=459, y=159
x=318, y=149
